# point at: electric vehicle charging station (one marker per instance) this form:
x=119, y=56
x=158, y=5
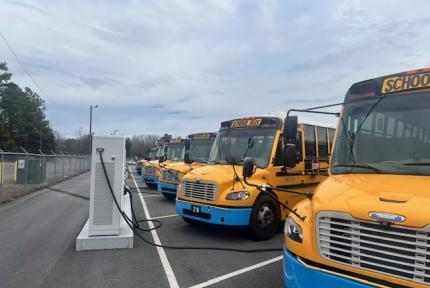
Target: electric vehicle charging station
x=106, y=228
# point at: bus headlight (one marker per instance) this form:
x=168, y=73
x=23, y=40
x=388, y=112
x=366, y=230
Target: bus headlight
x=239, y=195
x=293, y=230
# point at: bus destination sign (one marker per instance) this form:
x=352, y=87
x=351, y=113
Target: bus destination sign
x=246, y=123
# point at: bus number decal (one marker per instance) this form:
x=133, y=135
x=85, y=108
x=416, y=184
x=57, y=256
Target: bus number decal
x=246, y=123
x=406, y=82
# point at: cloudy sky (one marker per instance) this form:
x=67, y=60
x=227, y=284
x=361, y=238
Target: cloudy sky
x=184, y=66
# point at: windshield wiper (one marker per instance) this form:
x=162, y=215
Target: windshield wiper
x=216, y=162
x=417, y=164
x=351, y=137
x=199, y=161
x=359, y=165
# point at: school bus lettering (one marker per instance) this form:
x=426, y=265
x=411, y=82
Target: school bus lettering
x=406, y=82
x=175, y=141
x=246, y=123
x=200, y=136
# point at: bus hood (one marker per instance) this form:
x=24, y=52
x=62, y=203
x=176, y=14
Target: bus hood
x=153, y=162
x=223, y=176
x=181, y=167
x=361, y=194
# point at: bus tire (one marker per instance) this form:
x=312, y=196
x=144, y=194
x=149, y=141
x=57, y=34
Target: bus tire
x=265, y=218
x=169, y=196
x=151, y=186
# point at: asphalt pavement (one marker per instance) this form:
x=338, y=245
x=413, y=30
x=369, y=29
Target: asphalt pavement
x=37, y=242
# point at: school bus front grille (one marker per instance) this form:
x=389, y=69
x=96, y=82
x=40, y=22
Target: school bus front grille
x=149, y=170
x=199, y=190
x=391, y=250
x=169, y=175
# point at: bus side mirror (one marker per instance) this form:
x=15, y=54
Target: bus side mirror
x=290, y=130
x=161, y=159
x=187, y=159
x=290, y=156
x=248, y=168
x=187, y=144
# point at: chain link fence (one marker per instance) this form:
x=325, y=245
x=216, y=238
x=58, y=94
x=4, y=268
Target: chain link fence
x=21, y=173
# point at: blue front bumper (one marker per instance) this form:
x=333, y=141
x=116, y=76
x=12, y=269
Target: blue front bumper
x=296, y=275
x=169, y=188
x=150, y=179
x=214, y=215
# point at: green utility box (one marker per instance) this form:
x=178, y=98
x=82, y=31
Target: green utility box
x=35, y=169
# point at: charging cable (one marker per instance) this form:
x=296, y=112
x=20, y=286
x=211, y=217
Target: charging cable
x=134, y=225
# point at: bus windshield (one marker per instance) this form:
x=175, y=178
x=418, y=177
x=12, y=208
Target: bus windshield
x=233, y=143
x=175, y=152
x=153, y=154
x=160, y=151
x=199, y=150
x=385, y=135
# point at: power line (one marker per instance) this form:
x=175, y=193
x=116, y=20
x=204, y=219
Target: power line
x=29, y=74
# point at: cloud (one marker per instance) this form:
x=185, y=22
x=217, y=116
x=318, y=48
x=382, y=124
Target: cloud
x=156, y=66
x=186, y=98
x=98, y=82
x=155, y=81
x=25, y=6
x=175, y=112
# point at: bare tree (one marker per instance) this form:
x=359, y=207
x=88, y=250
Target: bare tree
x=140, y=144
x=79, y=144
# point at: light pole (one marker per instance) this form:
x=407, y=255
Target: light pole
x=41, y=133
x=91, y=126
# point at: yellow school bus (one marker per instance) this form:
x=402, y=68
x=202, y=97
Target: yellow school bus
x=218, y=194
x=197, y=149
x=171, y=152
x=150, y=170
x=151, y=155
x=368, y=223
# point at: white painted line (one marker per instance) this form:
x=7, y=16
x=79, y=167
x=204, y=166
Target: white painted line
x=238, y=272
x=146, y=196
x=167, y=216
x=173, y=283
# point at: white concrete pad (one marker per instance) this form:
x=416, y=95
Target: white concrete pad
x=121, y=241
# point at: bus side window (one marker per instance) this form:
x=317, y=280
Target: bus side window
x=322, y=143
x=310, y=143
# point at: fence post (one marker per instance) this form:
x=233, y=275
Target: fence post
x=26, y=169
x=55, y=166
x=70, y=165
x=1, y=176
x=64, y=160
x=44, y=163
x=76, y=165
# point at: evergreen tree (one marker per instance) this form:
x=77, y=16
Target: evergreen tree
x=22, y=117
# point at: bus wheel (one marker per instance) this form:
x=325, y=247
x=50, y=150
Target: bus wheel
x=265, y=218
x=169, y=196
x=151, y=185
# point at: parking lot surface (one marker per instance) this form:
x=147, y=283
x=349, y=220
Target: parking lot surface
x=38, y=234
